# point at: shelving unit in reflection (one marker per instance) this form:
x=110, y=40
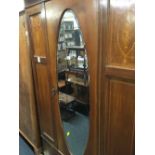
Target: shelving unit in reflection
x=72, y=68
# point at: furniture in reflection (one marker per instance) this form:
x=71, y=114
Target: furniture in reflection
x=61, y=83
x=71, y=51
x=73, y=93
x=66, y=103
x=75, y=84
x=66, y=99
x=76, y=58
x=77, y=77
x=80, y=85
x=65, y=39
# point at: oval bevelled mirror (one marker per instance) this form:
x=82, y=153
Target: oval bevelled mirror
x=72, y=70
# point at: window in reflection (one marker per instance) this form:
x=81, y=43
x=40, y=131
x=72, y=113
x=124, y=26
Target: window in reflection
x=72, y=69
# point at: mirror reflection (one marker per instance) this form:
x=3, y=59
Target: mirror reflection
x=72, y=70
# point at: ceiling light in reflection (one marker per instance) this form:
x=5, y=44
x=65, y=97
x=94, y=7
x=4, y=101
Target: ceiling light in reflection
x=121, y=3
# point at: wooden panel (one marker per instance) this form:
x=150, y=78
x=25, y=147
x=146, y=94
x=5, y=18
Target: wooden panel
x=114, y=71
x=121, y=33
x=83, y=11
x=120, y=131
x=44, y=102
x=27, y=109
x=25, y=87
x=116, y=77
x=38, y=33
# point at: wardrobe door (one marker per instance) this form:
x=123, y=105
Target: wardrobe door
x=86, y=12
x=28, y=122
x=39, y=56
x=117, y=77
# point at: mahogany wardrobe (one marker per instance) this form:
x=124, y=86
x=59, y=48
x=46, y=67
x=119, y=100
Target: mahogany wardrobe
x=77, y=92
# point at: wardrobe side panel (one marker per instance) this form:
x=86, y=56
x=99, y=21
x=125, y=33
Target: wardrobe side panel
x=28, y=122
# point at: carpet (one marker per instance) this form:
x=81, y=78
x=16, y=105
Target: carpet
x=76, y=131
x=24, y=148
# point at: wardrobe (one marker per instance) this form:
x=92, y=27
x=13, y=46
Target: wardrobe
x=106, y=49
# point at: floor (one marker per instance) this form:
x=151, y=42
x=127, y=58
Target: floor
x=76, y=131
x=24, y=148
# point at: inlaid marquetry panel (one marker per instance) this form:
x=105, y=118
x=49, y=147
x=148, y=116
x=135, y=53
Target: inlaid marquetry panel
x=121, y=33
x=120, y=130
x=38, y=34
